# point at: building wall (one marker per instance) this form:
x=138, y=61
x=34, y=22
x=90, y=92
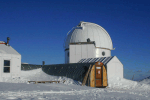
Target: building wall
x=5, y=57
x=114, y=68
x=99, y=52
x=77, y=52
x=15, y=65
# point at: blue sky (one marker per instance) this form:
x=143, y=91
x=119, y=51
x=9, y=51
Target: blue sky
x=37, y=29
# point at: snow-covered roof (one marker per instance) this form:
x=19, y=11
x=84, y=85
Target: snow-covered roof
x=94, y=32
x=4, y=49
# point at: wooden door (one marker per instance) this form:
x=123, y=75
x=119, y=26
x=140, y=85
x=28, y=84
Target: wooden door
x=98, y=76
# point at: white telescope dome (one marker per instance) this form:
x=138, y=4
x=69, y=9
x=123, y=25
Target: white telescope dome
x=94, y=32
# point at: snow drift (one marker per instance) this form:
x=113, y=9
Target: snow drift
x=118, y=89
x=39, y=75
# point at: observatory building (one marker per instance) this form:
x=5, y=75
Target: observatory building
x=97, y=38
x=88, y=43
x=87, y=57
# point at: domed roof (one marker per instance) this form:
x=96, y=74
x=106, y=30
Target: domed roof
x=94, y=32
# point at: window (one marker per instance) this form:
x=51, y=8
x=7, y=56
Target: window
x=6, y=66
x=103, y=53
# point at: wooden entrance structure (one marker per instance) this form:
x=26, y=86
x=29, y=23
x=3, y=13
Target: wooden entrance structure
x=98, y=75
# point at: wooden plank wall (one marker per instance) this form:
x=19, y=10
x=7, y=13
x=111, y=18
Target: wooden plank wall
x=92, y=77
x=104, y=76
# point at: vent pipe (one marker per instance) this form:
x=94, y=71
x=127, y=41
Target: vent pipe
x=43, y=63
x=88, y=40
x=7, y=40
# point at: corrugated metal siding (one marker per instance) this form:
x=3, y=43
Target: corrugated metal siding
x=75, y=71
x=104, y=60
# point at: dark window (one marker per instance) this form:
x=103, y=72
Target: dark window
x=6, y=66
x=103, y=53
x=6, y=69
x=6, y=63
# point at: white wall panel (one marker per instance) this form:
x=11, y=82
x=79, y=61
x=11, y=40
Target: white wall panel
x=78, y=53
x=114, y=68
x=84, y=52
x=119, y=70
x=78, y=57
x=99, y=51
x=72, y=49
x=16, y=66
x=111, y=70
x=91, y=50
x=78, y=49
x=72, y=53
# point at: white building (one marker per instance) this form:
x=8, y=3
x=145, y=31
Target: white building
x=95, y=33
x=10, y=61
x=112, y=63
x=89, y=40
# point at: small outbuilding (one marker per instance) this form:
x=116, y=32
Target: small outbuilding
x=114, y=68
x=10, y=61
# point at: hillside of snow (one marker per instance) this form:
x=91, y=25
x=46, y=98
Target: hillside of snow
x=20, y=89
x=146, y=80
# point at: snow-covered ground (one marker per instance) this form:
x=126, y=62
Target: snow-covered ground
x=146, y=80
x=118, y=89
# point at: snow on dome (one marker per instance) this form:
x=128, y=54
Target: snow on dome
x=94, y=32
